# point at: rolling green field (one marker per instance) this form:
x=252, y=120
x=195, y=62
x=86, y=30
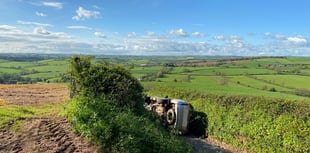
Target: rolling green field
x=258, y=77
x=270, y=77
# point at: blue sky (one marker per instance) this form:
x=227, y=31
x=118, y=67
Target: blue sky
x=156, y=27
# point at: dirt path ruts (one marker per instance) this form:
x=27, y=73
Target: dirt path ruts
x=48, y=135
x=203, y=146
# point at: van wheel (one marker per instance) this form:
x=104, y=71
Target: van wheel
x=170, y=117
x=153, y=109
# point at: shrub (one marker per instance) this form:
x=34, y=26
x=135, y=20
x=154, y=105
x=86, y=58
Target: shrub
x=119, y=130
x=107, y=108
x=115, y=82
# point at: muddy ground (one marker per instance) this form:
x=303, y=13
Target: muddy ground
x=46, y=133
x=43, y=134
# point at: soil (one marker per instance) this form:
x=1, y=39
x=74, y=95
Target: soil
x=203, y=145
x=209, y=145
x=33, y=94
x=46, y=133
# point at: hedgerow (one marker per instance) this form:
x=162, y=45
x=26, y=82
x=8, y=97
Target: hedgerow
x=107, y=108
x=255, y=124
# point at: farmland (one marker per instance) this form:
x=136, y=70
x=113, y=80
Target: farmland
x=240, y=93
x=29, y=120
x=272, y=77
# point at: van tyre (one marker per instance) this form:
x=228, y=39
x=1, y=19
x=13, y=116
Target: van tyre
x=170, y=117
x=153, y=108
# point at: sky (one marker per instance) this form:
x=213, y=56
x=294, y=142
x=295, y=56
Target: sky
x=156, y=27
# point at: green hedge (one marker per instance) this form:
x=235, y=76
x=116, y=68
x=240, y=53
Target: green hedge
x=255, y=124
x=108, y=109
x=121, y=131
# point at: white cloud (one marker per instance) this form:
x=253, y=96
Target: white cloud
x=131, y=35
x=7, y=28
x=297, y=40
x=40, y=14
x=96, y=7
x=41, y=39
x=56, y=5
x=79, y=27
x=198, y=34
x=267, y=34
x=85, y=14
x=219, y=37
x=178, y=33
x=279, y=36
x=150, y=33
x=100, y=35
x=41, y=30
x=34, y=23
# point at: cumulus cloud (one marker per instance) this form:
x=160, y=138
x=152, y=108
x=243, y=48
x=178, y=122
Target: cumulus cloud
x=96, y=7
x=131, y=35
x=267, y=34
x=85, y=14
x=41, y=30
x=198, y=34
x=79, y=27
x=41, y=39
x=178, y=33
x=100, y=35
x=297, y=40
x=56, y=5
x=40, y=14
x=7, y=28
x=34, y=23
x=150, y=33
x=279, y=36
x=219, y=37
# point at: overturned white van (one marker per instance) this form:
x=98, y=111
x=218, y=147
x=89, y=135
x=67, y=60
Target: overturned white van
x=174, y=112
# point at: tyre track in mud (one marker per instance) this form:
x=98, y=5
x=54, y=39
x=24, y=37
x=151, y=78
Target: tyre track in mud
x=48, y=135
x=204, y=146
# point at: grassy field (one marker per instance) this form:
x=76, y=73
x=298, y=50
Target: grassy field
x=271, y=77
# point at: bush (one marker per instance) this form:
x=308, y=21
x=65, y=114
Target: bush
x=118, y=130
x=115, y=82
x=107, y=108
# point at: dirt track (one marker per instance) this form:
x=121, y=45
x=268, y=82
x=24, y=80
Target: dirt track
x=48, y=135
x=204, y=146
x=45, y=133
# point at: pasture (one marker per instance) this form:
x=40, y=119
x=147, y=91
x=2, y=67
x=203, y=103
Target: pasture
x=277, y=77
x=268, y=77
